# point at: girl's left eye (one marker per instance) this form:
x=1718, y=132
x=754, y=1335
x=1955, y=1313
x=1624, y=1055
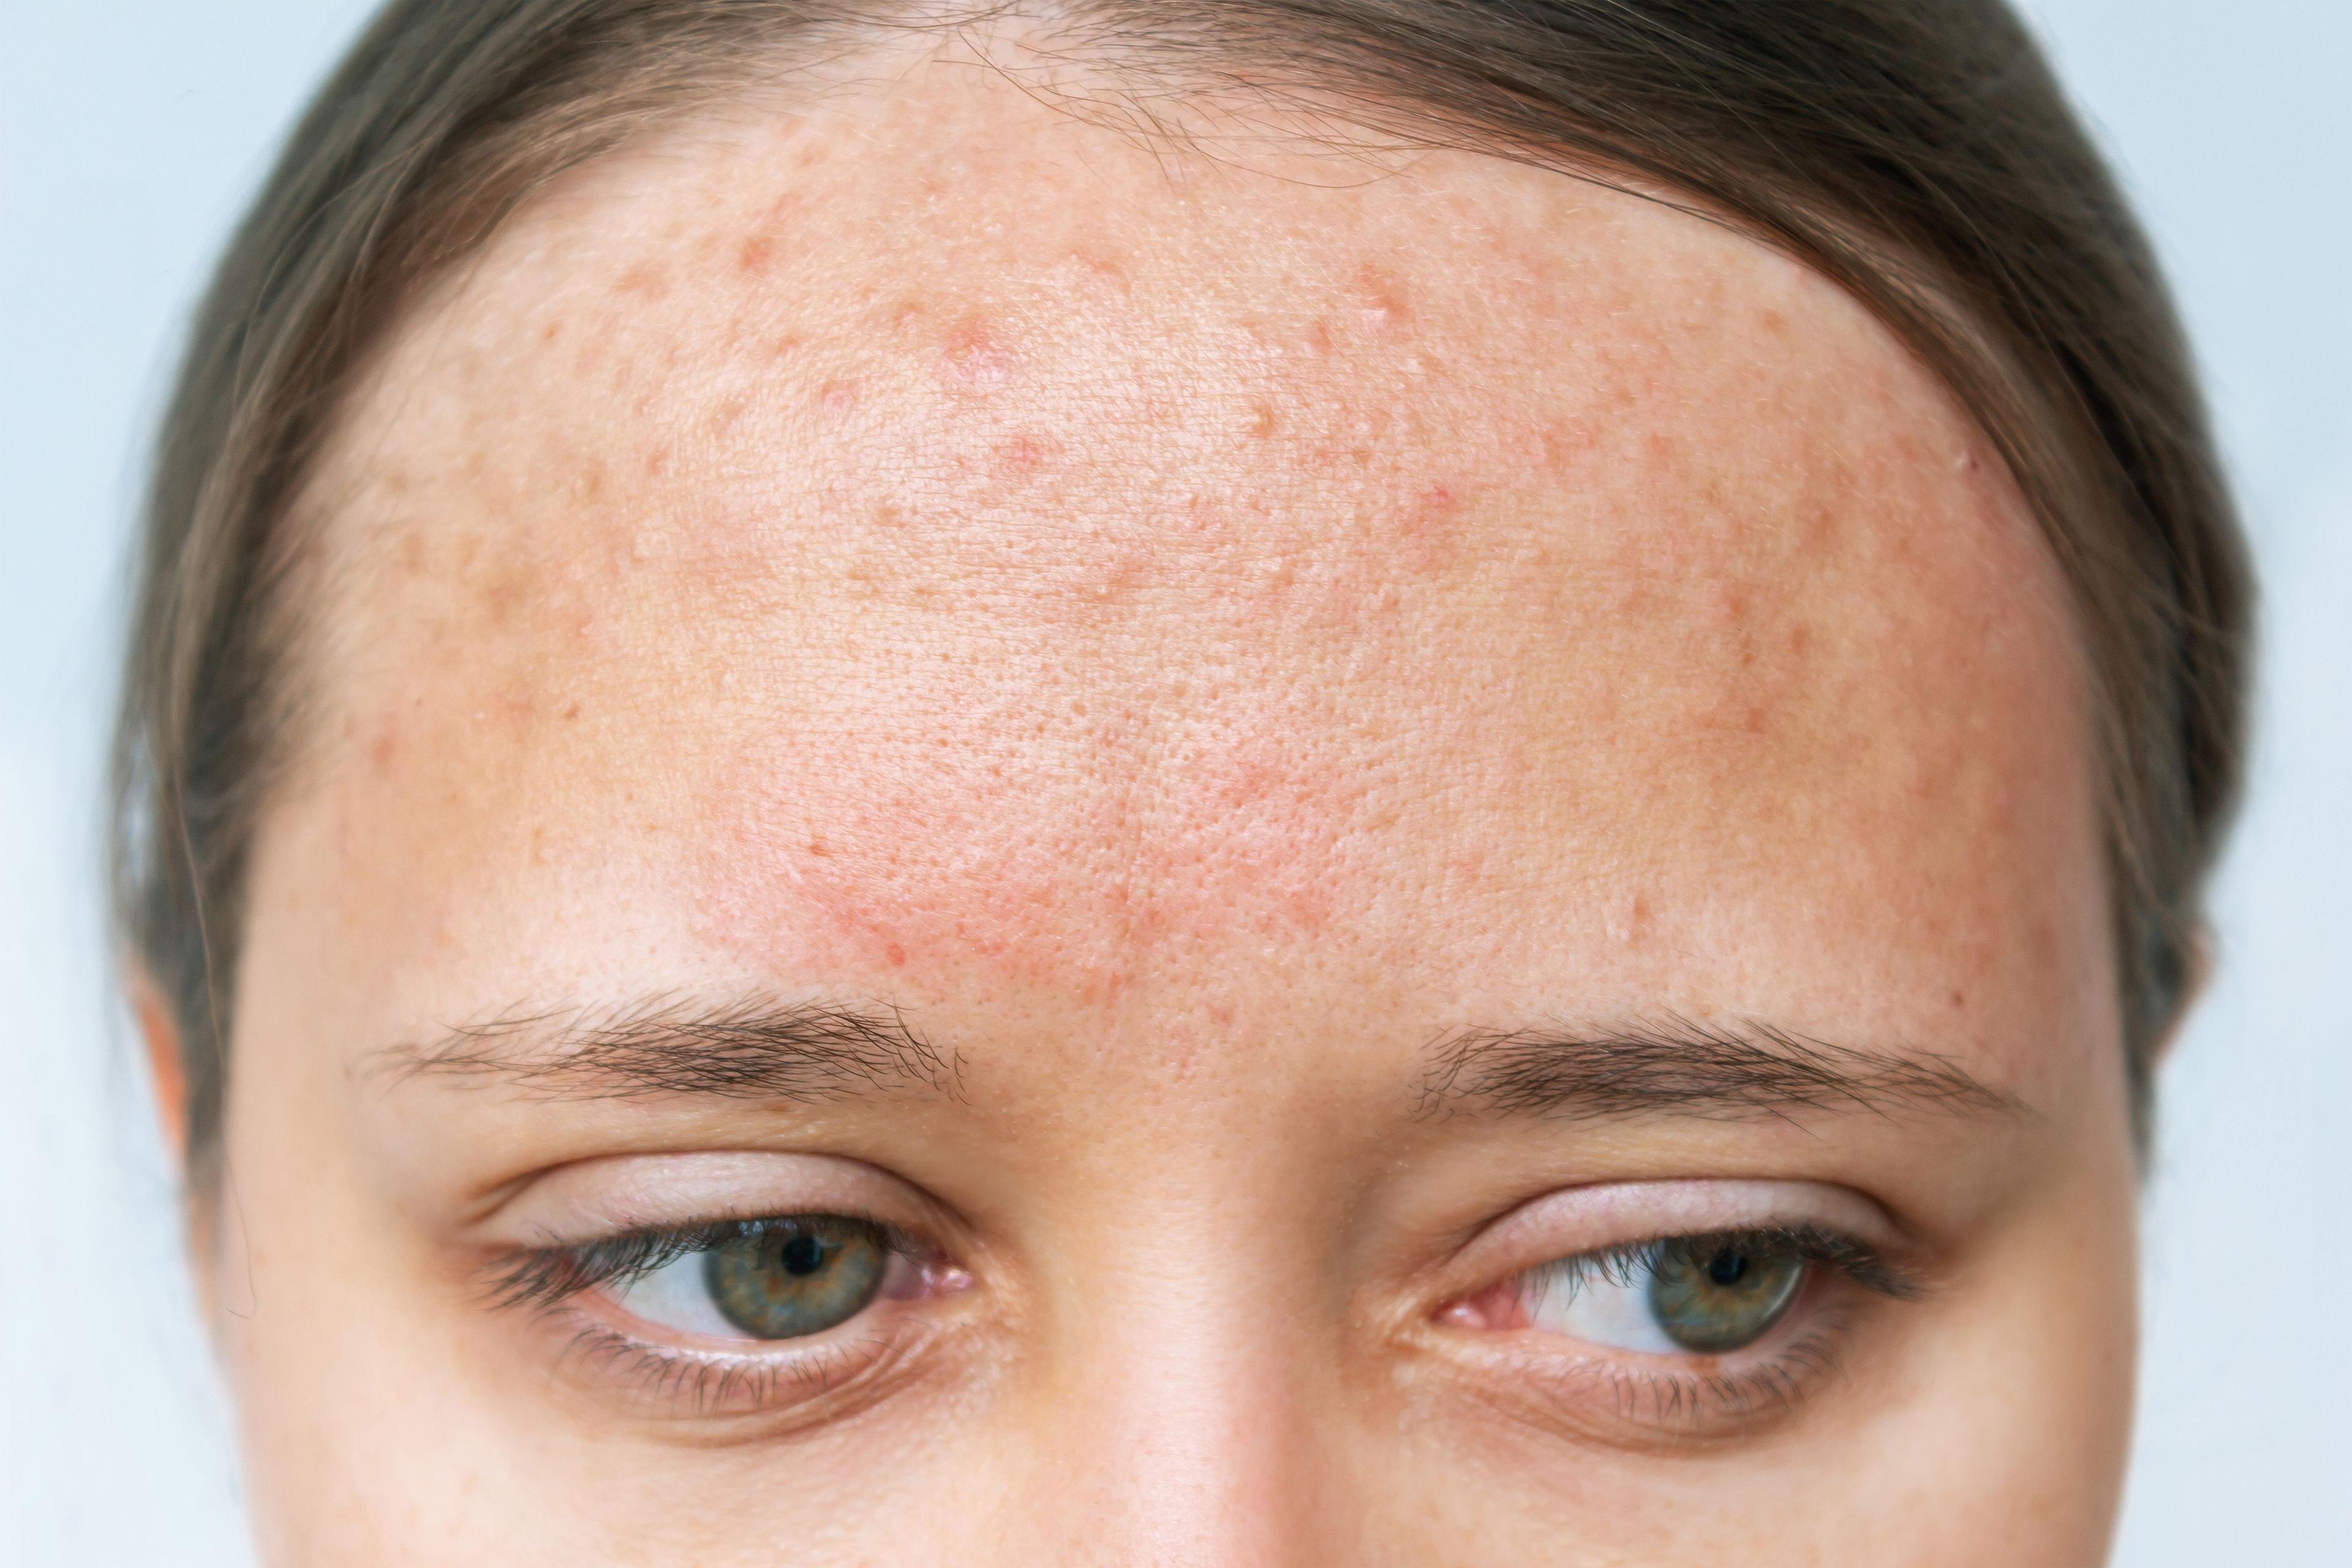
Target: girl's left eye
x=763, y=1280
x=1686, y=1295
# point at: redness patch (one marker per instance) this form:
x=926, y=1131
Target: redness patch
x=1074, y=870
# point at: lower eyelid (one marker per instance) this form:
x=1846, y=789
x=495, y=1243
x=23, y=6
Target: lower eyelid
x=792, y=1380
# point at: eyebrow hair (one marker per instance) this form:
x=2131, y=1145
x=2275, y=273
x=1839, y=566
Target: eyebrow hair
x=1722, y=1070
x=749, y=1047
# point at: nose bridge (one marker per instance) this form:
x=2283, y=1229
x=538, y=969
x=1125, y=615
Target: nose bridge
x=1189, y=1442
x=1181, y=1417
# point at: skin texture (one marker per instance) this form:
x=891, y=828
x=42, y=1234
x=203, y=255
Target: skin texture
x=1200, y=638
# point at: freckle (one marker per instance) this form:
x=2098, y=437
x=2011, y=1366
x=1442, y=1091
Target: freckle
x=1262, y=422
x=385, y=748
x=1799, y=637
x=657, y=462
x=1319, y=336
x=837, y=397
x=754, y=254
x=553, y=330
x=1775, y=323
x=571, y=712
x=498, y=601
x=1959, y=999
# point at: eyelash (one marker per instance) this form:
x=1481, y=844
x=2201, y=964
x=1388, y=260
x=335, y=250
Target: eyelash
x=549, y=1275
x=1866, y=1266
x=546, y=1282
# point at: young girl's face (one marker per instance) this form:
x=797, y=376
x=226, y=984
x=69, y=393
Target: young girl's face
x=1012, y=846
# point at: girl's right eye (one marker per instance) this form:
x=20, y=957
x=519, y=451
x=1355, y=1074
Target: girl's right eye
x=764, y=1279
x=788, y=1277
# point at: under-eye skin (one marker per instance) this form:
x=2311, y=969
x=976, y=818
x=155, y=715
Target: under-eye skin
x=1710, y=1334
x=734, y=1316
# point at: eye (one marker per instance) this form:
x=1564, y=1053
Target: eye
x=1688, y=1296
x=763, y=1280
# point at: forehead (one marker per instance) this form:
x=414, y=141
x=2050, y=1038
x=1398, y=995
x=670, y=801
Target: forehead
x=923, y=541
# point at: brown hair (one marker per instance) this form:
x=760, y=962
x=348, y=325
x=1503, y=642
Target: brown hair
x=1917, y=152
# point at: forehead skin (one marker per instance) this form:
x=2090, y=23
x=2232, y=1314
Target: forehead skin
x=1202, y=629
x=965, y=551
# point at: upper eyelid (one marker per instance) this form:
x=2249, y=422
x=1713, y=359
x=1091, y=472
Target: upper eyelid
x=1576, y=1221
x=593, y=1200
x=1572, y=1221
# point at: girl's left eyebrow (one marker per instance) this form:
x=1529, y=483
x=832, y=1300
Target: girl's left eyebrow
x=754, y=1047
x=1714, y=1070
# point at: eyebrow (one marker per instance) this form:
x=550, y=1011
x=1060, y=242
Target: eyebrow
x=751, y=1047
x=1671, y=1065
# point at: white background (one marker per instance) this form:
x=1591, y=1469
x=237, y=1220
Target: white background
x=132, y=133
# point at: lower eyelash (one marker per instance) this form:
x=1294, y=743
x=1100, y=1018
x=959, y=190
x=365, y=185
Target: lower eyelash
x=1691, y=1402
x=706, y=1384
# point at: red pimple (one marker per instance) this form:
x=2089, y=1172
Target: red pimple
x=972, y=356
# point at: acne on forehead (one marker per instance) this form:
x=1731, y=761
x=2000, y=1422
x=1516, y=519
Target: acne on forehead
x=1062, y=585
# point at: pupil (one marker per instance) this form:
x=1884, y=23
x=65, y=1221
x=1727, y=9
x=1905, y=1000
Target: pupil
x=803, y=1255
x=1726, y=1268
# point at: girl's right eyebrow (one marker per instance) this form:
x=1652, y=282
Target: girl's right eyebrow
x=668, y=1044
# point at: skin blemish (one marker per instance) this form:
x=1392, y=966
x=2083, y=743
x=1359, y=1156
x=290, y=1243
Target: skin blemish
x=837, y=397
x=755, y=255
x=646, y=280
x=971, y=357
x=1381, y=303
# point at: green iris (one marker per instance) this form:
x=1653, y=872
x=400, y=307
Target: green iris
x=1717, y=1294
x=782, y=1278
